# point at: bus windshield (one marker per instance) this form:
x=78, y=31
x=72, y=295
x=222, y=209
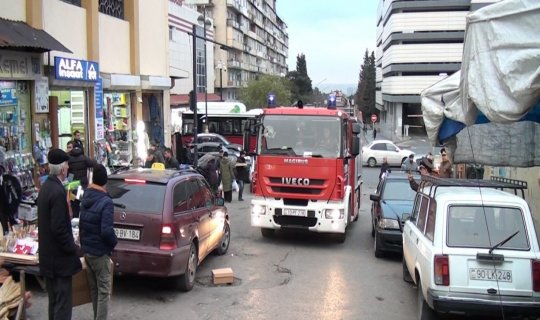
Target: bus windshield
x=316, y=136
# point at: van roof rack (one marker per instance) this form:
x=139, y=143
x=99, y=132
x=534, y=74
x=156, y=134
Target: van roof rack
x=494, y=182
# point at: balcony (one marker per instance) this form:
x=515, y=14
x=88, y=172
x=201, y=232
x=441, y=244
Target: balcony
x=236, y=4
x=233, y=64
x=408, y=84
x=423, y=53
x=233, y=23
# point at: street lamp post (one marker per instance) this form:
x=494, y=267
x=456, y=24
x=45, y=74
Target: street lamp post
x=221, y=67
x=205, y=22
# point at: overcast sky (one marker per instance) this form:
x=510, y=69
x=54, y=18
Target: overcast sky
x=332, y=34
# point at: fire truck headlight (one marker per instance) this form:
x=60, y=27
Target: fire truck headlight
x=334, y=213
x=258, y=209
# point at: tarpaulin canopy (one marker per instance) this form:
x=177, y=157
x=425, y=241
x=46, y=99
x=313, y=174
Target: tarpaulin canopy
x=499, y=82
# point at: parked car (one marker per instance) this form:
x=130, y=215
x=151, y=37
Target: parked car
x=392, y=198
x=374, y=153
x=472, y=249
x=167, y=222
x=217, y=138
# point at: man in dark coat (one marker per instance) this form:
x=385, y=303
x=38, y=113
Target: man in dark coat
x=77, y=142
x=241, y=173
x=98, y=239
x=170, y=160
x=58, y=260
x=79, y=165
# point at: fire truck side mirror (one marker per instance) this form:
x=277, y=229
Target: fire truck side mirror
x=355, y=148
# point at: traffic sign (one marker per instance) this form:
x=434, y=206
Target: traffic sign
x=373, y=118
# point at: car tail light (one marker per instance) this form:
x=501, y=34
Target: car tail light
x=536, y=275
x=442, y=270
x=135, y=181
x=168, y=239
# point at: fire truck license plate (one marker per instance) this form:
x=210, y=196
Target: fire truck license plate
x=295, y=212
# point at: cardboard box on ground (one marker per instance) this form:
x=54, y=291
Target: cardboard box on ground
x=223, y=276
x=80, y=288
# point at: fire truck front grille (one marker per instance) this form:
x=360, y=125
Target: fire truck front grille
x=296, y=190
x=295, y=222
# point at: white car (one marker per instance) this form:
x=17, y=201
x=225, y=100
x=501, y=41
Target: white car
x=373, y=154
x=471, y=249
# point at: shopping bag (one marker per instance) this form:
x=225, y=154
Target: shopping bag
x=235, y=186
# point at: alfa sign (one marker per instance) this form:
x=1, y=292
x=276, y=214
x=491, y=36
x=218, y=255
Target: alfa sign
x=74, y=69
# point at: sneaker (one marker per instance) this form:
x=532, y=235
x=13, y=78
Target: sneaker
x=240, y=199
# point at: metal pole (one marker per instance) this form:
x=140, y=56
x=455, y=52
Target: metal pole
x=195, y=117
x=221, y=83
x=205, y=74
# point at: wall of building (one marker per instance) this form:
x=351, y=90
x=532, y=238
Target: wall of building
x=153, y=37
x=69, y=28
x=114, y=45
x=13, y=10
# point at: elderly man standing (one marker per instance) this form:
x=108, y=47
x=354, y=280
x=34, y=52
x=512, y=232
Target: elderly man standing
x=58, y=260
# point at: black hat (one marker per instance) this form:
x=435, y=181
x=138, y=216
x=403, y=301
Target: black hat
x=99, y=175
x=411, y=155
x=57, y=156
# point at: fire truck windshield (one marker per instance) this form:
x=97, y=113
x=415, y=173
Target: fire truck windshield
x=316, y=136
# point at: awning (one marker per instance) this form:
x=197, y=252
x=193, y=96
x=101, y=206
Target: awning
x=18, y=35
x=183, y=99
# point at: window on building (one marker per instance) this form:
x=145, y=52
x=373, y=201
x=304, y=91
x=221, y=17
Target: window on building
x=73, y=2
x=114, y=8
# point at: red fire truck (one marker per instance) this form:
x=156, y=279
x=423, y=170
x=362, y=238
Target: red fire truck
x=307, y=172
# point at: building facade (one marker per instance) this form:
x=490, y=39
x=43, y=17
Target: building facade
x=255, y=39
x=114, y=78
x=418, y=44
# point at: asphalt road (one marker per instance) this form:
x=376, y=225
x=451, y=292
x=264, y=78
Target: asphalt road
x=291, y=276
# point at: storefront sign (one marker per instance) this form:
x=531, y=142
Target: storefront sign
x=8, y=93
x=100, y=130
x=42, y=95
x=74, y=69
x=19, y=65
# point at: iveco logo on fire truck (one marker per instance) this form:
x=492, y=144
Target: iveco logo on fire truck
x=296, y=181
x=295, y=161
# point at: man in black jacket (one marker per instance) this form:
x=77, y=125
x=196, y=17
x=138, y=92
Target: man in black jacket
x=98, y=239
x=78, y=166
x=58, y=260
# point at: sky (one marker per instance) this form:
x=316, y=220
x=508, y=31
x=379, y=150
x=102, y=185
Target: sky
x=333, y=35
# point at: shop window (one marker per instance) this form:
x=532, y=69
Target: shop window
x=117, y=122
x=114, y=8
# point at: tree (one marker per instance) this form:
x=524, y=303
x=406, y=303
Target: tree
x=365, y=93
x=255, y=94
x=301, y=82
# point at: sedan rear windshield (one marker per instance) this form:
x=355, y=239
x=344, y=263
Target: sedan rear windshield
x=484, y=227
x=398, y=190
x=138, y=197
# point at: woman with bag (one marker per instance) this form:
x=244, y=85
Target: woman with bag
x=227, y=176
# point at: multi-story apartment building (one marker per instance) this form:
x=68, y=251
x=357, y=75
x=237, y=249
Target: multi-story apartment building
x=255, y=39
x=418, y=44
x=112, y=75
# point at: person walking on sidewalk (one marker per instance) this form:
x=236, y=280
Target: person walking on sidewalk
x=98, y=240
x=58, y=260
x=227, y=176
x=241, y=173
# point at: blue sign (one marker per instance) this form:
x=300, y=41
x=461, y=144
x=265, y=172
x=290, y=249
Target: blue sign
x=8, y=94
x=74, y=69
x=100, y=130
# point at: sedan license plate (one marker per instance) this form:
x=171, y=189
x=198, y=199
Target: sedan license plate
x=295, y=212
x=490, y=274
x=127, y=234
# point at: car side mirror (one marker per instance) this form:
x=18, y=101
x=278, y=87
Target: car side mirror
x=220, y=202
x=374, y=197
x=397, y=150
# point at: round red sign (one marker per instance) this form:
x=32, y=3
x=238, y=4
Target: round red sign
x=373, y=118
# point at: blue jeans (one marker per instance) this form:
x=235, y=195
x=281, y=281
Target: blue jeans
x=240, y=188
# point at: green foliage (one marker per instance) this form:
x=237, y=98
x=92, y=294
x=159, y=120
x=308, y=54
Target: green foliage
x=301, y=82
x=256, y=92
x=365, y=93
